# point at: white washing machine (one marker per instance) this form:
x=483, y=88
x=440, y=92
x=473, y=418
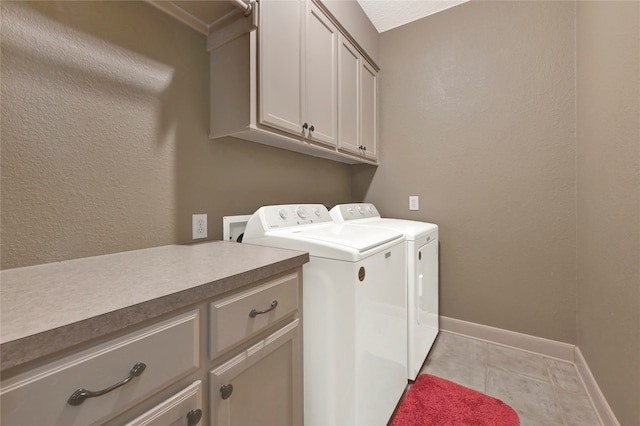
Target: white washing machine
x=422, y=275
x=354, y=312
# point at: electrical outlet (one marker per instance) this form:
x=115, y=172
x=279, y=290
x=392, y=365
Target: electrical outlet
x=414, y=202
x=199, y=226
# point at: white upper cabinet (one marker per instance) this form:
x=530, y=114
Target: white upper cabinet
x=369, y=110
x=296, y=82
x=349, y=96
x=320, y=82
x=357, y=102
x=280, y=64
x=297, y=70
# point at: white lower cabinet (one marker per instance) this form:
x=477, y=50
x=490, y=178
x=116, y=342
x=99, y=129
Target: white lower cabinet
x=158, y=375
x=90, y=386
x=262, y=385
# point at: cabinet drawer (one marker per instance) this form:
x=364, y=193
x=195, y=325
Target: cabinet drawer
x=169, y=349
x=232, y=321
x=182, y=409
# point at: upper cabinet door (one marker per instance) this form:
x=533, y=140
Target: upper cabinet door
x=320, y=83
x=369, y=110
x=280, y=76
x=348, y=96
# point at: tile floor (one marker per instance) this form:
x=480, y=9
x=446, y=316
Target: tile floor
x=543, y=391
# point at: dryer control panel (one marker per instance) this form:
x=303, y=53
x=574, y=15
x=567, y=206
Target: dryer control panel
x=346, y=212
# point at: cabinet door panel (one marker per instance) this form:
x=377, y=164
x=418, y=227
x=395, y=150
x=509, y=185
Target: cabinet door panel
x=349, y=95
x=266, y=381
x=320, y=77
x=175, y=410
x=369, y=108
x=280, y=85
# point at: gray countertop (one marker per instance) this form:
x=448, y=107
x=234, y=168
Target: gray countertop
x=51, y=307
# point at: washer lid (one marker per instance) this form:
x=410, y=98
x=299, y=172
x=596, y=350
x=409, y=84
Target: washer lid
x=360, y=238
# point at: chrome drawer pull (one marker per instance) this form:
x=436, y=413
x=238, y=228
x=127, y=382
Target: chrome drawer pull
x=254, y=312
x=193, y=417
x=81, y=394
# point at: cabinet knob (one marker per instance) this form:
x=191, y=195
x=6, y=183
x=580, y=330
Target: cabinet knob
x=193, y=417
x=311, y=129
x=305, y=126
x=226, y=391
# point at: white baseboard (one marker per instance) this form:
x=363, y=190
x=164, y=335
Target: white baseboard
x=599, y=402
x=539, y=345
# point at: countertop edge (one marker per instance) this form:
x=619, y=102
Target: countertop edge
x=17, y=353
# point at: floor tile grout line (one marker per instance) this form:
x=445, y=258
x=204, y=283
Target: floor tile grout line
x=555, y=394
x=485, y=348
x=586, y=389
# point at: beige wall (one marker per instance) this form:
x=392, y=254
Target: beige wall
x=105, y=117
x=477, y=118
x=608, y=106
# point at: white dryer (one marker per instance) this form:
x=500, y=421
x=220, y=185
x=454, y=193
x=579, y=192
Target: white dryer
x=422, y=275
x=354, y=312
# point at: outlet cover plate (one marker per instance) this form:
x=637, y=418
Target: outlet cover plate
x=199, y=226
x=414, y=202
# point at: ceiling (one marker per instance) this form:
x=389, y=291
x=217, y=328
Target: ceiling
x=384, y=14
x=388, y=14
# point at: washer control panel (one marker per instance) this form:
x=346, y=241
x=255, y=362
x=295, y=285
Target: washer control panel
x=283, y=216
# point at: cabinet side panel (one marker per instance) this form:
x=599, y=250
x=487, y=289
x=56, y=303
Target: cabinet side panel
x=230, y=87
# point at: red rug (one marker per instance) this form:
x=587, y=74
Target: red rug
x=433, y=401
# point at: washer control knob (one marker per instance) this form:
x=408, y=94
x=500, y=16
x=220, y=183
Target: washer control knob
x=350, y=211
x=302, y=212
x=316, y=211
x=282, y=213
x=369, y=209
x=360, y=210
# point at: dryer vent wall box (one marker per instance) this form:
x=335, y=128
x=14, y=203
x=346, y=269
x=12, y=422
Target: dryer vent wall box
x=233, y=226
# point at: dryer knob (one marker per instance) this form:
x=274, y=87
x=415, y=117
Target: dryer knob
x=360, y=210
x=316, y=211
x=350, y=211
x=282, y=213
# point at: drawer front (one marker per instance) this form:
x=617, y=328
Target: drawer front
x=168, y=349
x=182, y=409
x=231, y=320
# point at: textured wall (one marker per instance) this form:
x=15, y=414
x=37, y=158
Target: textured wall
x=608, y=106
x=104, y=117
x=477, y=118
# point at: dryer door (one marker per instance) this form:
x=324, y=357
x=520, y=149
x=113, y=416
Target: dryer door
x=423, y=300
x=427, y=291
